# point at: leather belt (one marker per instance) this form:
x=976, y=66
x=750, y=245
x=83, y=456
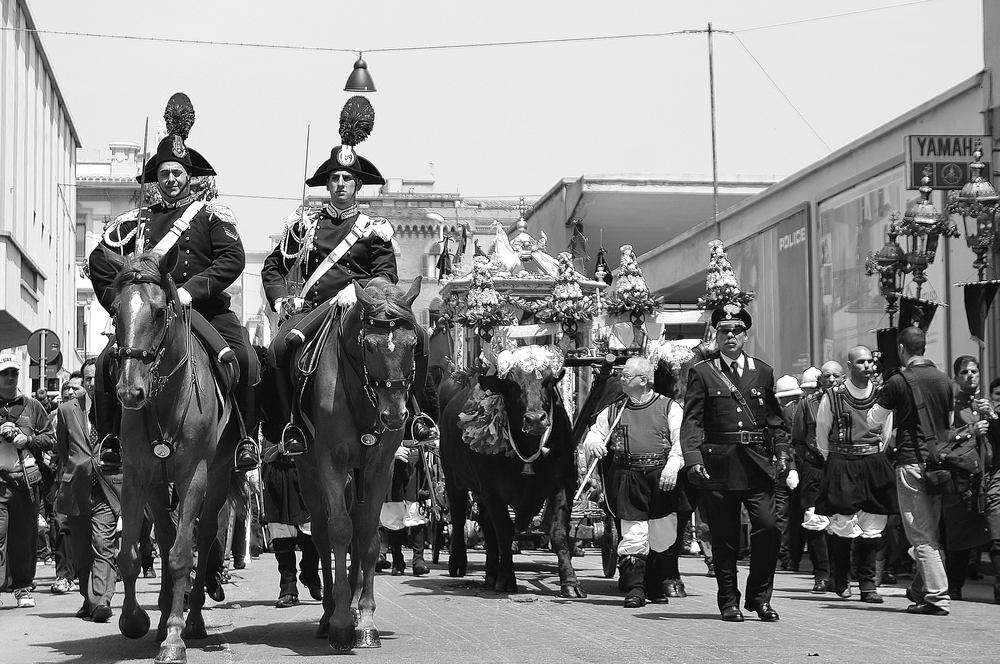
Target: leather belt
x=854, y=450
x=734, y=437
x=651, y=460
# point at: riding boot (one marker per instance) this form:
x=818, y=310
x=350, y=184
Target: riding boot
x=418, y=564
x=652, y=581
x=107, y=413
x=284, y=555
x=635, y=573
x=396, y=539
x=292, y=438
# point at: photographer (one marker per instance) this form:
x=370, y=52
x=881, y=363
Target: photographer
x=24, y=431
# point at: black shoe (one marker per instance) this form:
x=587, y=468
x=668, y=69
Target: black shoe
x=382, y=564
x=101, y=614
x=732, y=614
x=111, y=455
x=820, y=586
x=246, y=456
x=764, y=611
x=316, y=591
x=955, y=593
x=424, y=430
x=635, y=600
x=674, y=588
x=398, y=571
x=871, y=597
x=420, y=567
x=926, y=609
x=148, y=572
x=888, y=578
x=843, y=593
x=84, y=611
x=293, y=439
x=286, y=601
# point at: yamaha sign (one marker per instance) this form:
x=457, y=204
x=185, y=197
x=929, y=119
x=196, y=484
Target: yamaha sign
x=948, y=157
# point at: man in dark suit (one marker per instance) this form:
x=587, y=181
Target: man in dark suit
x=732, y=431
x=91, y=499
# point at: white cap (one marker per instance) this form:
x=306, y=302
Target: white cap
x=787, y=386
x=810, y=377
x=9, y=361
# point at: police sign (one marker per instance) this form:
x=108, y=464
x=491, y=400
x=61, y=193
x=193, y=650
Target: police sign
x=948, y=157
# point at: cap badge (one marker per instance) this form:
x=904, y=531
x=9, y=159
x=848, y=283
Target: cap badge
x=179, y=150
x=346, y=156
x=731, y=310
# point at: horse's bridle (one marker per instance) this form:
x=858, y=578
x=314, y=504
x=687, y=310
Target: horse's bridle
x=370, y=382
x=155, y=356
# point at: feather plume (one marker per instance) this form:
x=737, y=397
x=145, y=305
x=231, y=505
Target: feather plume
x=357, y=120
x=179, y=115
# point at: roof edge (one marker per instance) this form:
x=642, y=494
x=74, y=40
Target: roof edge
x=30, y=21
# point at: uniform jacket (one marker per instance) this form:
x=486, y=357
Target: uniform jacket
x=370, y=256
x=210, y=254
x=78, y=461
x=710, y=407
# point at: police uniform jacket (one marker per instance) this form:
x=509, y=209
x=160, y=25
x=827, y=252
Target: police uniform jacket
x=321, y=231
x=210, y=254
x=711, y=409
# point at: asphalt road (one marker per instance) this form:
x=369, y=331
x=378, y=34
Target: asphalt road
x=436, y=618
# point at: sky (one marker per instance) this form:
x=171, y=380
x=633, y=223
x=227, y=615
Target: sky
x=794, y=81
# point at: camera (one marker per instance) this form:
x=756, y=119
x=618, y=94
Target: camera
x=8, y=434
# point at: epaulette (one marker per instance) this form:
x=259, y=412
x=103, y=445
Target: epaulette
x=381, y=227
x=113, y=227
x=296, y=217
x=707, y=359
x=221, y=212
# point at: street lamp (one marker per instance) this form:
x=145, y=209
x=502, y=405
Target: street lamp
x=977, y=203
x=360, y=80
x=890, y=264
x=923, y=227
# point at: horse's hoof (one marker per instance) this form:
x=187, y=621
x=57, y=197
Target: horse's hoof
x=195, y=630
x=572, y=591
x=173, y=654
x=342, y=640
x=367, y=638
x=135, y=625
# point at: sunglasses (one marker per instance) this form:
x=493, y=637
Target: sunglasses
x=10, y=372
x=736, y=330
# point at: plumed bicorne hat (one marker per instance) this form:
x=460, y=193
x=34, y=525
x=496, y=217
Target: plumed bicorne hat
x=179, y=116
x=357, y=119
x=731, y=312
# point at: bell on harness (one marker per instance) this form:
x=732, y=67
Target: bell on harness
x=161, y=449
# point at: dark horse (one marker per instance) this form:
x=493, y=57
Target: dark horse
x=170, y=401
x=541, y=434
x=357, y=405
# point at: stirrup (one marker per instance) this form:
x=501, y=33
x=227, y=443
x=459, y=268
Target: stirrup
x=293, y=441
x=424, y=429
x=109, y=454
x=247, y=458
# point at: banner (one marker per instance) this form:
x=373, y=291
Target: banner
x=978, y=299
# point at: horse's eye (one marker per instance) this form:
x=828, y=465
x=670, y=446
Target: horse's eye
x=159, y=312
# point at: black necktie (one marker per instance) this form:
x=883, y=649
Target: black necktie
x=735, y=367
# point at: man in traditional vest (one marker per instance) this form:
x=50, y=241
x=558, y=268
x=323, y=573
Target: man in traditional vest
x=209, y=258
x=732, y=431
x=858, y=490
x=322, y=253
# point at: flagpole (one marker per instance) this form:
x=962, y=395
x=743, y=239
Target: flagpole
x=715, y=155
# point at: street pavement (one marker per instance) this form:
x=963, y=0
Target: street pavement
x=436, y=618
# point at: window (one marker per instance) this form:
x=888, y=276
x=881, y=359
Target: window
x=81, y=238
x=29, y=278
x=81, y=327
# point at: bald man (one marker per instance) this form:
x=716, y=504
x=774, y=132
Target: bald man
x=858, y=490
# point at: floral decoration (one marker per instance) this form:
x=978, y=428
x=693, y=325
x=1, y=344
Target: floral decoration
x=630, y=291
x=721, y=286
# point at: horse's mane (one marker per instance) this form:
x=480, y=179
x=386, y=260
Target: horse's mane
x=388, y=302
x=142, y=269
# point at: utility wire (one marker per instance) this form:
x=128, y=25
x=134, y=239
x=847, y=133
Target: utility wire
x=784, y=96
x=434, y=47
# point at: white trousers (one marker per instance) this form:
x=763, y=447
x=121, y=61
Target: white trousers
x=639, y=537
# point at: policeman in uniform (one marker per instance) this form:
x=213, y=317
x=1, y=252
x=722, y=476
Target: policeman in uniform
x=210, y=258
x=329, y=249
x=732, y=431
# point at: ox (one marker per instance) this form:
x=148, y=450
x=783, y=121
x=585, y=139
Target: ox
x=542, y=467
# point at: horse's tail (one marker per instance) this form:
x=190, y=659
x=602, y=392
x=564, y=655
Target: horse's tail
x=239, y=494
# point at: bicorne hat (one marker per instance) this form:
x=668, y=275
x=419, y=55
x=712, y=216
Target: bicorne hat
x=731, y=312
x=357, y=119
x=179, y=116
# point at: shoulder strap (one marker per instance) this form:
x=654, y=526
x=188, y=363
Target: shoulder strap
x=736, y=393
x=168, y=241
x=926, y=423
x=357, y=231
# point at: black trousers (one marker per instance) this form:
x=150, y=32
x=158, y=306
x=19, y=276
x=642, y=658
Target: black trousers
x=867, y=548
x=722, y=509
x=284, y=555
x=92, y=547
x=18, y=537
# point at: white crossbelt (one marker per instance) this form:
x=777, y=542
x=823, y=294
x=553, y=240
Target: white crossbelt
x=168, y=241
x=357, y=231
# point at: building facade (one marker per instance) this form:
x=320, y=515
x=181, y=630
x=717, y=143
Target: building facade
x=38, y=143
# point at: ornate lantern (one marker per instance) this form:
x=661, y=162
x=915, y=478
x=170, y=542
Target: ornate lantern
x=923, y=226
x=977, y=203
x=890, y=264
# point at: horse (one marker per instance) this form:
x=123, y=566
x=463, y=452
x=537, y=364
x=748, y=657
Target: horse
x=172, y=426
x=543, y=466
x=357, y=405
